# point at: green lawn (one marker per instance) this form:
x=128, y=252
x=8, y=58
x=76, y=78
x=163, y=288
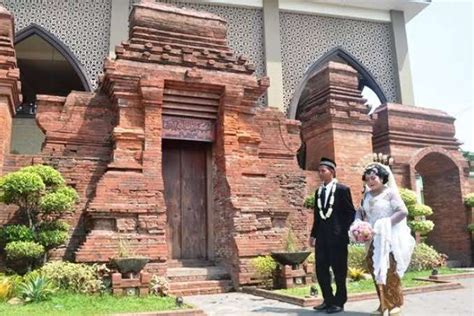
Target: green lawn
x=365, y=286
x=76, y=304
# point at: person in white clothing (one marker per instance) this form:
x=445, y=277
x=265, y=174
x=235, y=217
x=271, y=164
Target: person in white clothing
x=392, y=245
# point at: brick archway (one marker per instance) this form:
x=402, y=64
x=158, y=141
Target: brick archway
x=443, y=190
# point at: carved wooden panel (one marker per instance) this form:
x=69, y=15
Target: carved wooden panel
x=186, y=128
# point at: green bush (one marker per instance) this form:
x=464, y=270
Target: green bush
x=6, y=288
x=418, y=209
x=11, y=233
x=470, y=227
x=52, y=238
x=311, y=258
x=159, y=285
x=59, y=201
x=21, y=188
x=50, y=176
x=54, y=225
x=265, y=267
x=29, y=250
x=421, y=226
x=426, y=258
x=41, y=193
x=36, y=289
x=469, y=200
x=290, y=241
x=309, y=202
x=73, y=277
x=408, y=197
x=356, y=257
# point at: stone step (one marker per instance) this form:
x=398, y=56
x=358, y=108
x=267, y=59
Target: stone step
x=190, y=263
x=200, y=287
x=198, y=284
x=197, y=274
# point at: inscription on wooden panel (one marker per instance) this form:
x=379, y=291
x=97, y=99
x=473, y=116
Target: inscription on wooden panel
x=186, y=128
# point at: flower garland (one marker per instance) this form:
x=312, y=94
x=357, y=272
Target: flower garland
x=331, y=201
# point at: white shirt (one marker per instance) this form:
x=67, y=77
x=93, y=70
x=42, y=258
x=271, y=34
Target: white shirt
x=328, y=188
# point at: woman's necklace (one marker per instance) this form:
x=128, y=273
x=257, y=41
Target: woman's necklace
x=331, y=201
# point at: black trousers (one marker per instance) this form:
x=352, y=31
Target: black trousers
x=334, y=256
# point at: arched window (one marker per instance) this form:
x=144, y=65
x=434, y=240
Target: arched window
x=46, y=66
x=338, y=54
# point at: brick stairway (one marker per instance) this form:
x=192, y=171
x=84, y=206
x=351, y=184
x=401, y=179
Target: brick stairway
x=197, y=277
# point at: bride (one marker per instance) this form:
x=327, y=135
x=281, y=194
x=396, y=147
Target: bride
x=391, y=248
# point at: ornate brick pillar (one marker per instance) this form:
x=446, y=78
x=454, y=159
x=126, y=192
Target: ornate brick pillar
x=422, y=142
x=9, y=81
x=335, y=123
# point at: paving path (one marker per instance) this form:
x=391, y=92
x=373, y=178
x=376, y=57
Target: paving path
x=459, y=302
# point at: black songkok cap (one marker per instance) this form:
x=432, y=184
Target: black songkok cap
x=328, y=163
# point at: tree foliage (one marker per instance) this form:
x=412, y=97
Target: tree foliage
x=42, y=195
x=417, y=212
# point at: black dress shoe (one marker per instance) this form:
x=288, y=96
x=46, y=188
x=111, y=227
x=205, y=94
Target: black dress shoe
x=321, y=307
x=334, y=309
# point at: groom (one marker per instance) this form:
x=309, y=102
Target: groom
x=333, y=214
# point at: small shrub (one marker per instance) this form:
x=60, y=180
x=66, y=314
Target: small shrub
x=408, y=197
x=73, y=277
x=421, y=226
x=290, y=241
x=15, y=281
x=309, y=202
x=36, y=289
x=469, y=200
x=42, y=195
x=11, y=233
x=52, y=238
x=265, y=267
x=159, y=285
x=356, y=257
x=29, y=250
x=426, y=258
x=125, y=249
x=356, y=274
x=417, y=210
x=470, y=227
x=6, y=288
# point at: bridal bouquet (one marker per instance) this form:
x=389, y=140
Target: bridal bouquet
x=361, y=231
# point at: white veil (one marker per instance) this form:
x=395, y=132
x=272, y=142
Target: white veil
x=401, y=243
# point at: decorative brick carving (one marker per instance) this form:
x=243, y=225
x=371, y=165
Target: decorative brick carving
x=188, y=129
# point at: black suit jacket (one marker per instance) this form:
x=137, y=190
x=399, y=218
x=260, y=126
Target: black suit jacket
x=334, y=230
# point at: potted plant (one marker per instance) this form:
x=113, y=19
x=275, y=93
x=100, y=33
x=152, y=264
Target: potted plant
x=290, y=256
x=127, y=261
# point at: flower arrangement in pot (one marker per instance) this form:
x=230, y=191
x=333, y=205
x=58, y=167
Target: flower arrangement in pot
x=291, y=256
x=127, y=262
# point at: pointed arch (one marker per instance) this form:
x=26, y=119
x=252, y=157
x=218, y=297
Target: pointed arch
x=35, y=29
x=336, y=54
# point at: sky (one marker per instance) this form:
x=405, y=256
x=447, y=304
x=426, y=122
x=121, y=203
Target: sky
x=440, y=44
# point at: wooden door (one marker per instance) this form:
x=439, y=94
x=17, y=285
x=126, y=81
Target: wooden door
x=185, y=179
